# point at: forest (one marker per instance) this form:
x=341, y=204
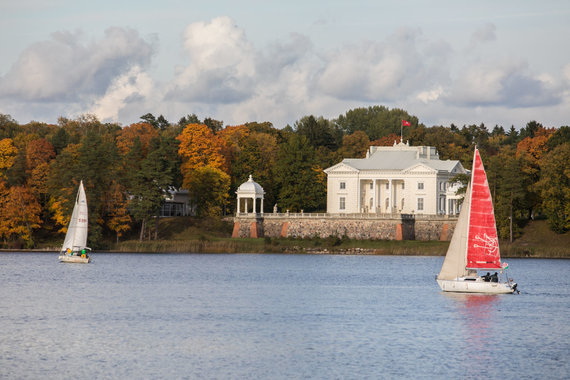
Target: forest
x=128, y=170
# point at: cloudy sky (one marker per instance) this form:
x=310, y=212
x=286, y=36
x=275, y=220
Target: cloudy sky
x=497, y=62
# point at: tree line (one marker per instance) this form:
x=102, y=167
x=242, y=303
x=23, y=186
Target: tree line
x=128, y=170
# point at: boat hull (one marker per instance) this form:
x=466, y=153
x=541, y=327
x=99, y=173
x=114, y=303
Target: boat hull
x=74, y=259
x=477, y=286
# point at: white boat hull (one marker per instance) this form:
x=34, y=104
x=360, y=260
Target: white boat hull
x=461, y=285
x=74, y=259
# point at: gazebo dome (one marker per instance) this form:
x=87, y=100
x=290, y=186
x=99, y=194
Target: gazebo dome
x=250, y=191
x=250, y=187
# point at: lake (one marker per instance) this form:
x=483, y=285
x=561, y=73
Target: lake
x=218, y=316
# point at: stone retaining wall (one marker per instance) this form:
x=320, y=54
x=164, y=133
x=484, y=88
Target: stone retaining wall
x=396, y=228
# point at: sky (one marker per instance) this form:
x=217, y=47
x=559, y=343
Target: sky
x=463, y=62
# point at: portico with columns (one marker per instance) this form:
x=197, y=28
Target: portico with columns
x=399, y=179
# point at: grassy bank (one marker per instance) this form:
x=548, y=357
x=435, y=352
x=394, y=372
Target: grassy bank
x=214, y=236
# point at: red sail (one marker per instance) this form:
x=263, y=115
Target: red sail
x=482, y=243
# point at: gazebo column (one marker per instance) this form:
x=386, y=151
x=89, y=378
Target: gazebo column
x=261, y=210
x=254, y=205
x=238, y=202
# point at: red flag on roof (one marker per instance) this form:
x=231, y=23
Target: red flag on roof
x=406, y=123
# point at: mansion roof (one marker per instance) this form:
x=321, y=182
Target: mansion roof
x=398, y=157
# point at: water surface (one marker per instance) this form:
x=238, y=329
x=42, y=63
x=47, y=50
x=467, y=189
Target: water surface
x=275, y=317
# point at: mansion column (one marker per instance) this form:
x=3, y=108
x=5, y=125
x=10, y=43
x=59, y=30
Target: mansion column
x=390, y=197
x=373, y=196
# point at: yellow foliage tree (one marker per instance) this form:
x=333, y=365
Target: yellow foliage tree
x=209, y=188
x=119, y=219
x=8, y=153
x=199, y=147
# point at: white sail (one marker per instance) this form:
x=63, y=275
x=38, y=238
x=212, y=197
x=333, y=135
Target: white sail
x=76, y=237
x=455, y=259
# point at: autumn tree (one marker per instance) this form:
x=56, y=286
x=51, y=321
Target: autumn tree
x=530, y=150
x=208, y=188
x=143, y=131
x=199, y=147
x=354, y=145
x=8, y=153
x=118, y=217
x=554, y=187
x=230, y=141
x=39, y=153
x=20, y=214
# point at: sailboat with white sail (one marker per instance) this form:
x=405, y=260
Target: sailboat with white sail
x=475, y=245
x=74, y=248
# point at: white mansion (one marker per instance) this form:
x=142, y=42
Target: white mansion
x=399, y=179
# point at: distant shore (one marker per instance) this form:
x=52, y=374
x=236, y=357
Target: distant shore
x=191, y=235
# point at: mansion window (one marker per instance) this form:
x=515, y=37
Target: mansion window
x=343, y=185
x=420, y=185
x=420, y=204
x=371, y=185
x=342, y=204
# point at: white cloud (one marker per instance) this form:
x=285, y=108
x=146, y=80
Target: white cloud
x=430, y=96
x=385, y=71
x=128, y=86
x=66, y=68
x=222, y=66
x=227, y=78
x=502, y=83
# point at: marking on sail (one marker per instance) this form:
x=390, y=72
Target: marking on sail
x=490, y=244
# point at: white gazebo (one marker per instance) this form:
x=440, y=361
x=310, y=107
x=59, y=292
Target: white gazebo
x=249, y=191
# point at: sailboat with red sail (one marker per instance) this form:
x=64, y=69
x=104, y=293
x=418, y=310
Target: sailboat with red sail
x=475, y=245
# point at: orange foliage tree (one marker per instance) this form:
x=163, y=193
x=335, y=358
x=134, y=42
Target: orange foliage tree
x=20, y=214
x=39, y=154
x=386, y=140
x=199, y=147
x=145, y=132
x=203, y=168
x=230, y=142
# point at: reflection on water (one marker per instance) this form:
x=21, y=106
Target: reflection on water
x=477, y=313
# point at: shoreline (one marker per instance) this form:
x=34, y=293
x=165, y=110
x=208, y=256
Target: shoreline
x=294, y=250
